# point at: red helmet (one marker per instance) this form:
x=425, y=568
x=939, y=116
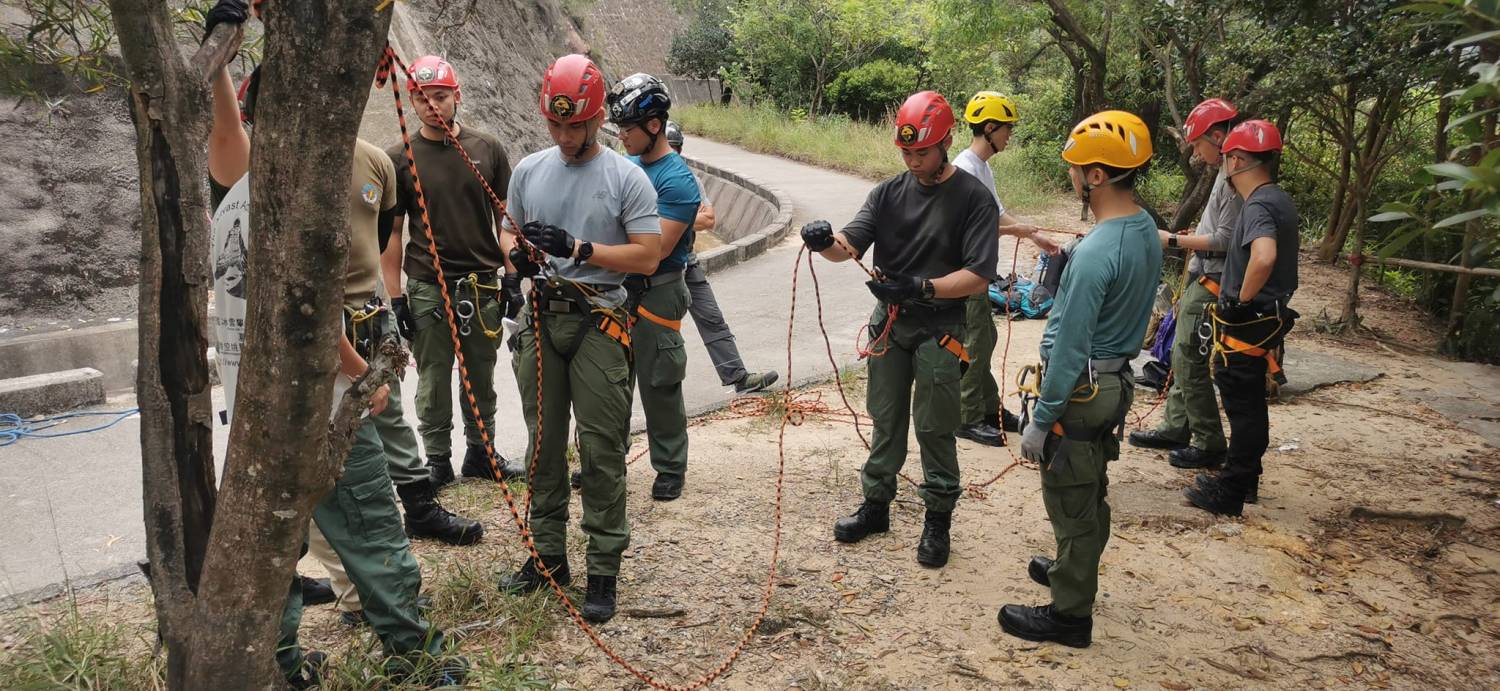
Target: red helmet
x=924, y=120
x=1205, y=115
x=431, y=71
x=572, y=90
x=1255, y=136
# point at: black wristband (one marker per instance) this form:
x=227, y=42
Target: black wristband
x=585, y=251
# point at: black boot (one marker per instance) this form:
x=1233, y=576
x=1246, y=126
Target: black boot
x=1193, y=458
x=310, y=674
x=1006, y=420
x=530, y=579
x=316, y=591
x=1214, y=495
x=425, y=517
x=980, y=433
x=477, y=465
x=1252, y=495
x=1043, y=624
x=576, y=479
x=666, y=487
x=932, y=549
x=1038, y=569
x=440, y=468
x=871, y=517
x=1152, y=439
x=599, y=603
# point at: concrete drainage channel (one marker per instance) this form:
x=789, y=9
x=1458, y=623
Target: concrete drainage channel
x=58, y=371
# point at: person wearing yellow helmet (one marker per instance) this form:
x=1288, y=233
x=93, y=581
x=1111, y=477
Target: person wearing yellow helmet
x=1095, y=329
x=992, y=118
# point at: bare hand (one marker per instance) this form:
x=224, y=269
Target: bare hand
x=1045, y=244
x=380, y=399
x=1165, y=236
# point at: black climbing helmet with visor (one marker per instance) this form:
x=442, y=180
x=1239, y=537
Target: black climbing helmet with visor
x=674, y=135
x=637, y=99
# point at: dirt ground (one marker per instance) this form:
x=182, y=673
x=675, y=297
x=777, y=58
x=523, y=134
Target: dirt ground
x=1373, y=559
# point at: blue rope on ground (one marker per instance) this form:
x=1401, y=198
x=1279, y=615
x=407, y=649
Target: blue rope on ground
x=14, y=428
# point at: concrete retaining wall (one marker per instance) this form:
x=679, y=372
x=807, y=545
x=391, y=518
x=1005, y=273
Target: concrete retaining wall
x=751, y=216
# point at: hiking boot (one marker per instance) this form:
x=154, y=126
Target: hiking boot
x=756, y=381
x=310, y=675
x=440, y=470
x=1252, y=495
x=1152, y=439
x=1043, y=624
x=1216, y=496
x=599, y=603
x=1194, y=458
x=316, y=591
x=1005, y=420
x=980, y=433
x=667, y=487
x=576, y=480
x=871, y=517
x=426, y=518
x=1038, y=569
x=477, y=465
x=932, y=549
x=530, y=579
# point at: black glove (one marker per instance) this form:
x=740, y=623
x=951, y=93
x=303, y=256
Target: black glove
x=817, y=235
x=525, y=268
x=894, y=289
x=510, y=292
x=1235, y=312
x=550, y=239
x=225, y=12
x=405, y=325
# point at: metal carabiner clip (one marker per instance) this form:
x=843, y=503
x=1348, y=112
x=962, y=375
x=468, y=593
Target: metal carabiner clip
x=464, y=309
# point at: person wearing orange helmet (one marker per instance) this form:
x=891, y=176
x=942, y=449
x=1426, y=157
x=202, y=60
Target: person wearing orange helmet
x=484, y=289
x=932, y=230
x=593, y=214
x=1094, y=330
x=1252, y=315
x=1190, y=430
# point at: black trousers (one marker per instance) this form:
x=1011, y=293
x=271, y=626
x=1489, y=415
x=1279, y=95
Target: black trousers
x=1242, y=389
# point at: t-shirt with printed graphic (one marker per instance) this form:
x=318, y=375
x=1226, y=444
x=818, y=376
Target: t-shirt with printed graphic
x=460, y=209
x=677, y=199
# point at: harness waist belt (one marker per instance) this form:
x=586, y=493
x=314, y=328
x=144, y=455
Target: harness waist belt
x=1211, y=284
x=649, y=282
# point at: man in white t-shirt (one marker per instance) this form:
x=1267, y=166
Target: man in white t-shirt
x=992, y=118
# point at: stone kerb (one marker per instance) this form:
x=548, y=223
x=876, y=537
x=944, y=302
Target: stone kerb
x=754, y=243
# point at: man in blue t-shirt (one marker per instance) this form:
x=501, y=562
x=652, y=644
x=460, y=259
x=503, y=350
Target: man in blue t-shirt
x=638, y=105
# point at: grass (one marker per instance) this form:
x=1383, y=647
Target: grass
x=864, y=149
x=78, y=649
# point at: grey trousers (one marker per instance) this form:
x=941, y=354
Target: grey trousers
x=717, y=337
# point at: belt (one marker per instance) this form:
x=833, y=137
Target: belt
x=929, y=315
x=648, y=282
x=561, y=301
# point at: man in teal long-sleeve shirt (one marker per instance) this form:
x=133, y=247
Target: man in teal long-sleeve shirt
x=1094, y=331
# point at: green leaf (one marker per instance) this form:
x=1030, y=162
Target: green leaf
x=1449, y=186
x=1464, y=217
x=1398, y=243
x=1476, y=38
x=1389, y=216
x=1478, y=114
x=1457, y=171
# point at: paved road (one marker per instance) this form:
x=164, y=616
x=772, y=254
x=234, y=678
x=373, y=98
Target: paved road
x=72, y=506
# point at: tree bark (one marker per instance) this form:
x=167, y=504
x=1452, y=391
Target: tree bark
x=1369, y=162
x=222, y=563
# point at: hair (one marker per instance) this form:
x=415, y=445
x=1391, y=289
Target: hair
x=978, y=129
x=1131, y=175
x=1224, y=126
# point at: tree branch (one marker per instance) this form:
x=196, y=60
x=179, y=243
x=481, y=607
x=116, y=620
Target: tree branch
x=216, y=52
x=386, y=365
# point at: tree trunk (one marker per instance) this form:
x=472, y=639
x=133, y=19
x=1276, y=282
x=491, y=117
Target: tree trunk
x=1340, y=218
x=1368, y=164
x=220, y=573
x=1459, y=309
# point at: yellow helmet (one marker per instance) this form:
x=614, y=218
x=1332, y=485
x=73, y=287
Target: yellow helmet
x=989, y=105
x=1112, y=137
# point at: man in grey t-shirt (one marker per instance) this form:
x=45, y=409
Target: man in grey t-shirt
x=593, y=214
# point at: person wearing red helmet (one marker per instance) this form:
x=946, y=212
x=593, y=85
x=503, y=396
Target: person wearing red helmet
x=484, y=289
x=593, y=214
x=1190, y=429
x=932, y=229
x=1252, y=315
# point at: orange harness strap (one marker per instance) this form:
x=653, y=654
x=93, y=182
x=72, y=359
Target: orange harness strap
x=673, y=324
x=1210, y=284
x=952, y=345
x=615, y=329
x=1235, y=345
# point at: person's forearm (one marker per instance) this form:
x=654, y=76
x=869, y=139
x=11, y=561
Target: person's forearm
x=959, y=284
x=1257, y=272
x=351, y=364
x=228, y=144
x=671, y=234
x=706, y=219
x=840, y=251
x=1197, y=243
x=390, y=261
x=507, y=242
x=638, y=257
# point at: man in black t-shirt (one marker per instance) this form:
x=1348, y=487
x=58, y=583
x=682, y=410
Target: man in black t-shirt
x=933, y=231
x=1252, y=315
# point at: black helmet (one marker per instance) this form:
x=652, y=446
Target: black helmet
x=674, y=134
x=638, y=97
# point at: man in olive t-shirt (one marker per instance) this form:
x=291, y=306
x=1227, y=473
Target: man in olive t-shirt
x=465, y=232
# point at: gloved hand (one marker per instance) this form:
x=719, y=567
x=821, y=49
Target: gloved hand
x=525, y=268
x=510, y=292
x=225, y=12
x=1235, y=312
x=550, y=239
x=405, y=325
x=1033, y=440
x=817, y=235
x=894, y=289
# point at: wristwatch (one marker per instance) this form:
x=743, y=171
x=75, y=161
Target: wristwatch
x=1172, y=240
x=585, y=250
x=929, y=290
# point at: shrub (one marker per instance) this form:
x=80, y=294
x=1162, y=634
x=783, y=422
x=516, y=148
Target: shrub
x=867, y=92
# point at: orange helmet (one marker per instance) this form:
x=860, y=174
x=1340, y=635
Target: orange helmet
x=431, y=71
x=572, y=90
x=923, y=120
x=1113, y=137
